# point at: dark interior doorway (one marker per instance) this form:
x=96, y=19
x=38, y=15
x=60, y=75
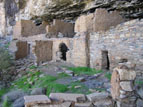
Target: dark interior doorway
x=63, y=49
x=105, y=60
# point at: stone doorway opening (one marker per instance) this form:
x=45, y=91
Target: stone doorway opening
x=105, y=60
x=63, y=49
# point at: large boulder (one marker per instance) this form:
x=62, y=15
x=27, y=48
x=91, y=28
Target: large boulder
x=38, y=91
x=13, y=95
x=19, y=102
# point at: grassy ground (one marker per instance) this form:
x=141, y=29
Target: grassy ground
x=36, y=79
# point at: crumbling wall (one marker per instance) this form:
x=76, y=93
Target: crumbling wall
x=26, y=28
x=101, y=20
x=104, y=20
x=43, y=51
x=56, y=44
x=2, y=20
x=76, y=50
x=84, y=23
x=67, y=29
x=20, y=49
x=124, y=44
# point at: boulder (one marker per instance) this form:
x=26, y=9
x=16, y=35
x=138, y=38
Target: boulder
x=104, y=103
x=38, y=91
x=97, y=96
x=140, y=92
x=13, y=95
x=139, y=103
x=19, y=102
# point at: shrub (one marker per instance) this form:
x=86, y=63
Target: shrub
x=6, y=103
x=5, y=59
x=6, y=69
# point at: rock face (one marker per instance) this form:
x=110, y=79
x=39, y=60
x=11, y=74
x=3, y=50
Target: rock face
x=48, y=9
x=12, y=11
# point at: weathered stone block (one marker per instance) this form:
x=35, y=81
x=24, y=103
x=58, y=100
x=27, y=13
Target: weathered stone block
x=104, y=103
x=127, y=85
x=97, y=96
x=67, y=97
x=126, y=74
x=36, y=99
x=88, y=104
x=115, y=85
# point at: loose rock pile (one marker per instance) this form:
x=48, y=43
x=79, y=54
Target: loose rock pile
x=123, y=90
x=69, y=100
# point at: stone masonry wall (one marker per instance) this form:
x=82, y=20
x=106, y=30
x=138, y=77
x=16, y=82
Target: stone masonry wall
x=43, y=51
x=2, y=20
x=26, y=28
x=77, y=50
x=124, y=44
x=22, y=50
x=67, y=29
x=99, y=21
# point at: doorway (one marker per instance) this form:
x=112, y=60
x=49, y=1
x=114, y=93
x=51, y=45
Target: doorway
x=63, y=49
x=105, y=60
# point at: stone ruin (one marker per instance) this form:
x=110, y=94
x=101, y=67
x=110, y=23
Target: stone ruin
x=96, y=43
x=95, y=40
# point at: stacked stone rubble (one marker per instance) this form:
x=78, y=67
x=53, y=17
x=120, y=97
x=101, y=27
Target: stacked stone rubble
x=122, y=83
x=69, y=100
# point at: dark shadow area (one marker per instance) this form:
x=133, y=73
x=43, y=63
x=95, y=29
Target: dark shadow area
x=105, y=60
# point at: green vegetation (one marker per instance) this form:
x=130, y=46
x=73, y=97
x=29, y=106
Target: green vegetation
x=6, y=69
x=5, y=59
x=79, y=90
x=84, y=70
x=2, y=92
x=108, y=75
x=62, y=75
x=139, y=82
x=54, y=87
x=33, y=67
x=36, y=79
x=6, y=103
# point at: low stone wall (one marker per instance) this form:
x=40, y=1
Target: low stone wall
x=123, y=44
x=69, y=100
